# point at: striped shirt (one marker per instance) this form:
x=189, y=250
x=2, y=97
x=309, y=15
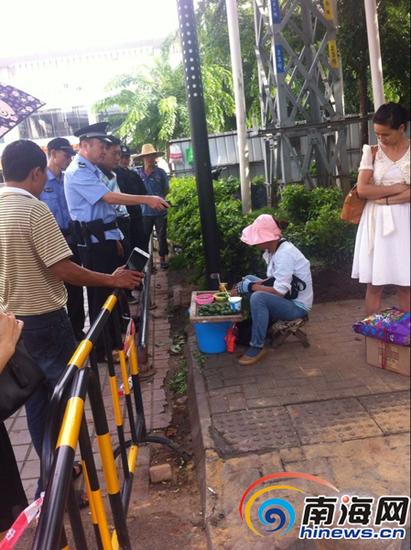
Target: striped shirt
x=30, y=242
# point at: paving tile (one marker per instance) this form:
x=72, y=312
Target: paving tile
x=30, y=470
x=253, y=430
x=236, y=401
x=261, y=402
x=218, y=404
x=20, y=437
x=21, y=452
x=391, y=411
x=225, y=391
x=333, y=420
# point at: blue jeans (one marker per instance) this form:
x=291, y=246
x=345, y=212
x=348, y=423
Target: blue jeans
x=266, y=308
x=49, y=339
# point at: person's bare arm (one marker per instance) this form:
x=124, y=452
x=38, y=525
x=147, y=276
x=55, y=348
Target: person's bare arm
x=69, y=272
x=133, y=200
x=401, y=198
x=368, y=190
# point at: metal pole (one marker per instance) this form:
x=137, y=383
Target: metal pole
x=240, y=110
x=373, y=34
x=199, y=137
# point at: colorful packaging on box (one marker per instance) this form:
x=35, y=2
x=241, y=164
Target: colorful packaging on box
x=390, y=325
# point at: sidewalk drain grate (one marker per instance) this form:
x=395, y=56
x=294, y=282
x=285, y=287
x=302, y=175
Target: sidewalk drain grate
x=253, y=430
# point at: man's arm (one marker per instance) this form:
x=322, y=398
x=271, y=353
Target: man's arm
x=69, y=272
x=133, y=200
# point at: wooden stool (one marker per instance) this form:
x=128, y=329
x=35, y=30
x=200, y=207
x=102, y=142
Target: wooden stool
x=281, y=330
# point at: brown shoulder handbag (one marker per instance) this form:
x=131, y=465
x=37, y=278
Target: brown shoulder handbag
x=353, y=204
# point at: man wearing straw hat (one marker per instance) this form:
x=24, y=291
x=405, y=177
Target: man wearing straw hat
x=156, y=183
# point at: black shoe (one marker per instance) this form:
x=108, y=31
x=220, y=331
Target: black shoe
x=164, y=265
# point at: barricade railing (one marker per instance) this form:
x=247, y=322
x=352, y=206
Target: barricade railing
x=68, y=428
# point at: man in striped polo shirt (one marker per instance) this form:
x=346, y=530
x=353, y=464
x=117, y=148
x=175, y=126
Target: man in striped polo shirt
x=34, y=264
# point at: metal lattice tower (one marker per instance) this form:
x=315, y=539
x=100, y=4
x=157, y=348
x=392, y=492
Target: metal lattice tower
x=301, y=91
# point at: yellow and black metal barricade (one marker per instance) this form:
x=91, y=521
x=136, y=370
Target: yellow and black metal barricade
x=67, y=427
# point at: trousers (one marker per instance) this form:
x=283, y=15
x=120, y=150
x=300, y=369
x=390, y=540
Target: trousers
x=49, y=339
x=75, y=300
x=160, y=223
x=102, y=257
x=267, y=308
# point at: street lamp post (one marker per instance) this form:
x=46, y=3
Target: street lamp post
x=199, y=137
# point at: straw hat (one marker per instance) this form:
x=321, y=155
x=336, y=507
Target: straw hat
x=149, y=149
x=263, y=230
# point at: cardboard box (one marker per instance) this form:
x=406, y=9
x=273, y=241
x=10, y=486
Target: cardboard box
x=388, y=356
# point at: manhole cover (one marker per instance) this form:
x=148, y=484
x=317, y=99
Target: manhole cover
x=333, y=420
x=391, y=411
x=253, y=430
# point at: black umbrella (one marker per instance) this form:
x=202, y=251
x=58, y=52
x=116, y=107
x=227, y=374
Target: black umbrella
x=15, y=106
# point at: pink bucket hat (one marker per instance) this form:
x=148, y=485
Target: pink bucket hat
x=262, y=230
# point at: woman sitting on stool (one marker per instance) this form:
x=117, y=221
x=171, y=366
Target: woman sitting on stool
x=286, y=295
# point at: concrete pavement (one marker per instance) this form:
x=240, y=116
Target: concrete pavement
x=320, y=411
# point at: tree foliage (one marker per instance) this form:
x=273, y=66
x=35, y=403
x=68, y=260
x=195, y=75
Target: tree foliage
x=153, y=99
x=394, y=25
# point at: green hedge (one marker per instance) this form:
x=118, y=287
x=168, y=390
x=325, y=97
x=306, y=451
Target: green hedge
x=315, y=227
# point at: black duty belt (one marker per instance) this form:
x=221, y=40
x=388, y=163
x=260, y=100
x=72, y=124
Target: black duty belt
x=83, y=231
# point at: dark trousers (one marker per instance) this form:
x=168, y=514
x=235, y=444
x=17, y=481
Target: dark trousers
x=75, y=300
x=49, y=339
x=13, y=499
x=137, y=233
x=124, y=226
x=160, y=223
x=102, y=257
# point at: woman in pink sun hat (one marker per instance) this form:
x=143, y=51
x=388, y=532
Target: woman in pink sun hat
x=286, y=294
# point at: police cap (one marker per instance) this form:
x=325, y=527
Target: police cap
x=60, y=144
x=113, y=140
x=125, y=151
x=94, y=131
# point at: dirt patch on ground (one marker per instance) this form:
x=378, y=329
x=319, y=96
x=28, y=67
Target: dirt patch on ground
x=334, y=285
x=171, y=516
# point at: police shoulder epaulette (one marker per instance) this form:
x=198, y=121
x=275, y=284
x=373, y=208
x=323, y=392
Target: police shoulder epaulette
x=81, y=164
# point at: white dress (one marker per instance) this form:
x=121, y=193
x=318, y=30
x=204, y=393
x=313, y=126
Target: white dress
x=382, y=246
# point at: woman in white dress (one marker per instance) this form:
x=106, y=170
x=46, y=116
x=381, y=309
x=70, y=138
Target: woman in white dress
x=382, y=247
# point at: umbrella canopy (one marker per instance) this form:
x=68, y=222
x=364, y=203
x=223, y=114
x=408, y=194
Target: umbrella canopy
x=15, y=106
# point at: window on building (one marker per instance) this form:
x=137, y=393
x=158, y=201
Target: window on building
x=54, y=122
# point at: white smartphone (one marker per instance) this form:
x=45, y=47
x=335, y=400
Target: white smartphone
x=138, y=259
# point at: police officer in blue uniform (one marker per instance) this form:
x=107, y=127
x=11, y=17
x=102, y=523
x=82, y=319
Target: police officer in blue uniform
x=91, y=207
x=60, y=152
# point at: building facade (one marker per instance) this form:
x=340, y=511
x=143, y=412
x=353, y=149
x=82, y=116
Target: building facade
x=70, y=83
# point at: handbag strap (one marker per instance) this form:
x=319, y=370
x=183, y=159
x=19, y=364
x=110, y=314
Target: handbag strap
x=374, y=149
